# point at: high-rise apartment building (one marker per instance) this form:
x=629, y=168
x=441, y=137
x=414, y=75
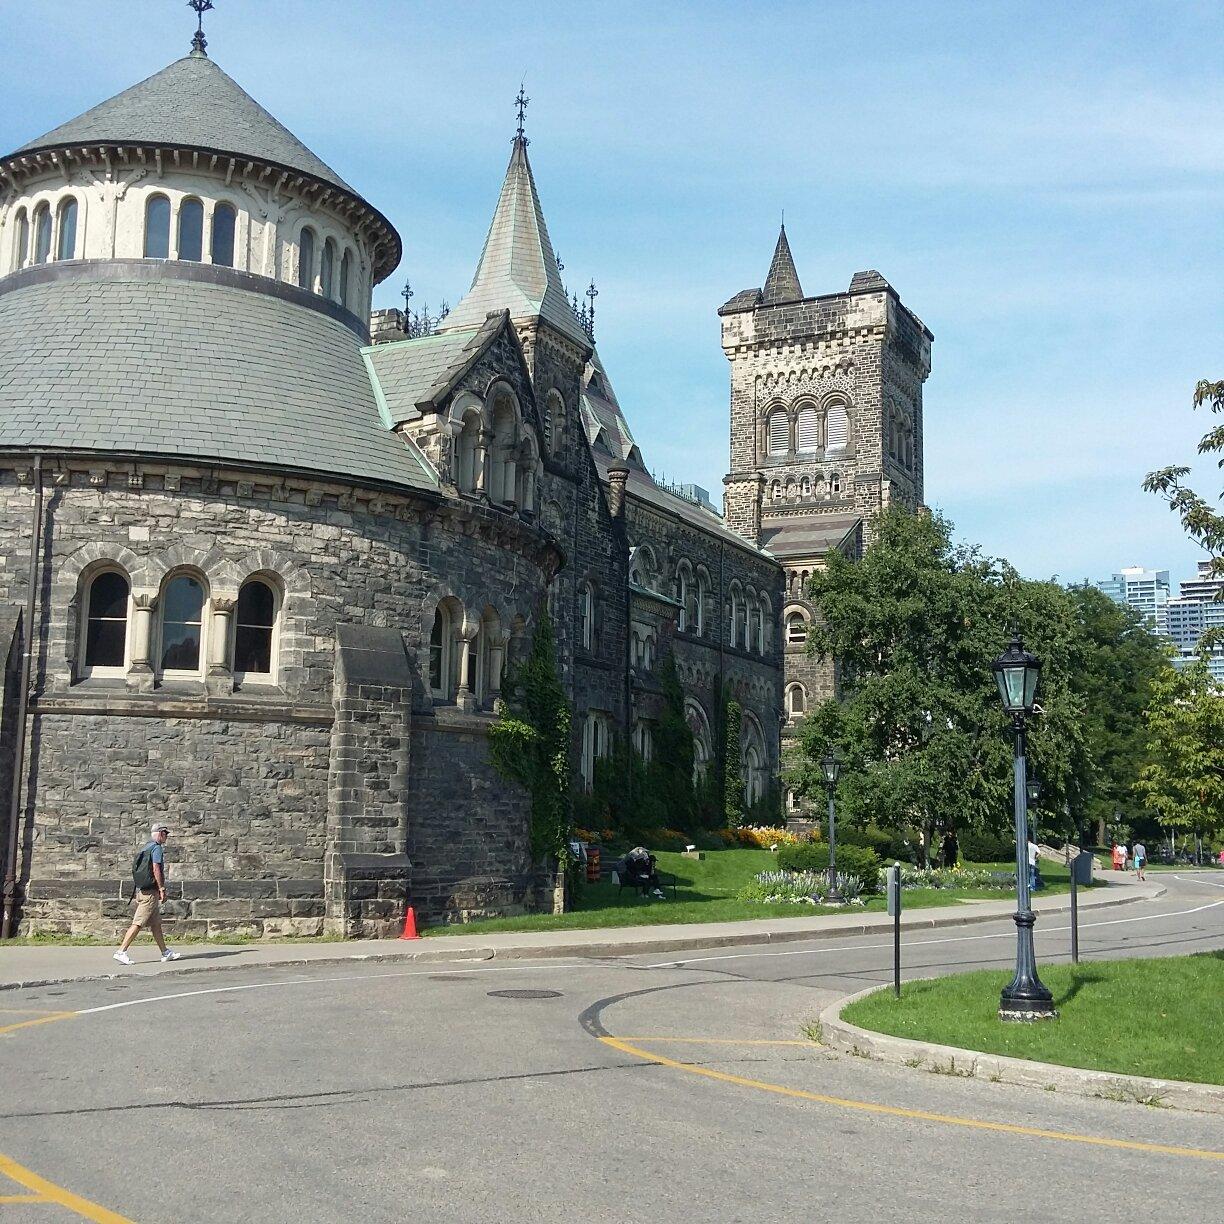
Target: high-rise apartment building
x=1198, y=608
x=1147, y=591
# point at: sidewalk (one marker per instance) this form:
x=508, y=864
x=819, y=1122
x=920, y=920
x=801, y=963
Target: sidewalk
x=48, y=964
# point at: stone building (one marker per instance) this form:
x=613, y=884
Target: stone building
x=268, y=557
x=826, y=431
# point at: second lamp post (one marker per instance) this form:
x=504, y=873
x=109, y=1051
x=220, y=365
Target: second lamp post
x=831, y=764
x=1026, y=998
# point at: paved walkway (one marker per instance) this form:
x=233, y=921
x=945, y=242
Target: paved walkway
x=46, y=964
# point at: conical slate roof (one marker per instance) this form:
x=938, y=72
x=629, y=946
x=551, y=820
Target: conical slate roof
x=782, y=283
x=518, y=269
x=191, y=104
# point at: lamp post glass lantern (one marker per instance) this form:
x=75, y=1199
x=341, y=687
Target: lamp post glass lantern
x=831, y=764
x=1026, y=998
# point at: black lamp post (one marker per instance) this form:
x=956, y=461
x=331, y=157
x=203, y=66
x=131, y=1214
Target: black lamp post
x=1026, y=999
x=831, y=764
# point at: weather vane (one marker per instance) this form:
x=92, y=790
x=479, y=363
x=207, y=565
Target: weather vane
x=199, y=44
x=521, y=102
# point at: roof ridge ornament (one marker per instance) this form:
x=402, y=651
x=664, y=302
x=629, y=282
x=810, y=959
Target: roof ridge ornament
x=199, y=44
x=521, y=101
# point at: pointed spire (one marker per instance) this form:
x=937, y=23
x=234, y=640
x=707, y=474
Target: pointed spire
x=518, y=267
x=199, y=44
x=782, y=283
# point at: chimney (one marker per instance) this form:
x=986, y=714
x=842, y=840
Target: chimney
x=618, y=477
x=386, y=325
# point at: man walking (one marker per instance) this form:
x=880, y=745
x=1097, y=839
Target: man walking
x=149, y=884
x=1139, y=853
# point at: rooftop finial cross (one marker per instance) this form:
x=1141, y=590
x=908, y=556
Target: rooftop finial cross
x=199, y=44
x=521, y=102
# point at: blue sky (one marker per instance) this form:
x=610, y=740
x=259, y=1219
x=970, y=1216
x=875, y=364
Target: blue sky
x=1041, y=183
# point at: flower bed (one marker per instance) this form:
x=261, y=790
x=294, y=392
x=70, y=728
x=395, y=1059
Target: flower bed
x=957, y=877
x=800, y=888
x=758, y=837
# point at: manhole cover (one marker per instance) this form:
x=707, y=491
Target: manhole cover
x=524, y=994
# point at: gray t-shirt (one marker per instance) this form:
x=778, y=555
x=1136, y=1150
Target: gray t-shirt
x=1140, y=850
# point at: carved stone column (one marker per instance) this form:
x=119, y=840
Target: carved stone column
x=465, y=698
x=220, y=679
x=483, y=450
x=140, y=669
x=497, y=658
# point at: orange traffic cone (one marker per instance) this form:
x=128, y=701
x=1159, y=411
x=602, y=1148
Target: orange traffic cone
x=410, y=931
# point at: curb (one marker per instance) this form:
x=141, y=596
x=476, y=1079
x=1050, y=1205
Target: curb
x=839, y=1034
x=591, y=949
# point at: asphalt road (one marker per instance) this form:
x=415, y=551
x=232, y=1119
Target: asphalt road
x=430, y=1093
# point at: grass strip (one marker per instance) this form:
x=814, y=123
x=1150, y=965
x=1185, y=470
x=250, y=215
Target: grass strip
x=1161, y=1017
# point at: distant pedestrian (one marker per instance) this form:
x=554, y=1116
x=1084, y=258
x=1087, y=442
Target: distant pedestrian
x=1140, y=858
x=922, y=850
x=1032, y=865
x=1124, y=856
x=149, y=891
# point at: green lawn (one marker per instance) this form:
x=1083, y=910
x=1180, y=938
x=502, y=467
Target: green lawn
x=1162, y=1017
x=705, y=892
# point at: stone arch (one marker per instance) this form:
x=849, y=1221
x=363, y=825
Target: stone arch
x=703, y=738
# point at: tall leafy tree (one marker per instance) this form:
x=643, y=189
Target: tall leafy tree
x=1203, y=523
x=1117, y=664
x=530, y=743
x=1183, y=783
x=915, y=625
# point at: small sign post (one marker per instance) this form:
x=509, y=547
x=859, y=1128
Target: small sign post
x=894, y=908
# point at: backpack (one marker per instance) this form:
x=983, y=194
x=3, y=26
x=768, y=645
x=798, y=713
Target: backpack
x=142, y=870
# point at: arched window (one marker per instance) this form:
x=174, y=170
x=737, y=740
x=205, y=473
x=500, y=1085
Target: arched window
x=733, y=615
x=703, y=598
x=466, y=452
x=65, y=245
x=807, y=430
x=525, y=474
x=805, y=486
x=765, y=633
x=182, y=624
x=752, y=615
x=777, y=429
x=157, y=228
x=556, y=422
x=191, y=231
x=790, y=490
x=586, y=616
x=754, y=760
x=254, y=623
x=346, y=279
x=703, y=740
x=106, y=616
x=486, y=678
x=306, y=259
x=775, y=490
x=42, y=233
x=327, y=269
x=796, y=701
x=643, y=741
x=596, y=743
x=224, y=225
x=835, y=483
x=796, y=629
x=502, y=469
x=444, y=651
x=838, y=426
x=21, y=245
x=642, y=569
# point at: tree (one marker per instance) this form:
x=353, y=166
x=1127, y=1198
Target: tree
x=670, y=773
x=915, y=625
x=1118, y=661
x=732, y=765
x=1202, y=523
x=1183, y=782
x=530, y=744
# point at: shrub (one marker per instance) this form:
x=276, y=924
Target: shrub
x=958, y=877
x=814, y=856
x=981, y=847
x=799, y=887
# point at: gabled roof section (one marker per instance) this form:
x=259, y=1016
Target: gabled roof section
x=411, y=376
x=191, y=103
x=518, y=268
x=810, y=537
x=782, y=283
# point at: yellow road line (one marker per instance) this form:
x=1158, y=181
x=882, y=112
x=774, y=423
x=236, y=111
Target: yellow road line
x=739, y=1041
x=23, y=1198
x=916, y=1114
x=63, y=1015
x=49, y=1192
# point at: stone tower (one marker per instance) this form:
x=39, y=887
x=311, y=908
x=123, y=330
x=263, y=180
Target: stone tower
x=826, y=430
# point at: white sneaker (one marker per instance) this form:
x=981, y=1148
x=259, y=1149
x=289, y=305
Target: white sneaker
x=170, y=954
x=123, y=958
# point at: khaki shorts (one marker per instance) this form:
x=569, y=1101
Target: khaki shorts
x=148, y=908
